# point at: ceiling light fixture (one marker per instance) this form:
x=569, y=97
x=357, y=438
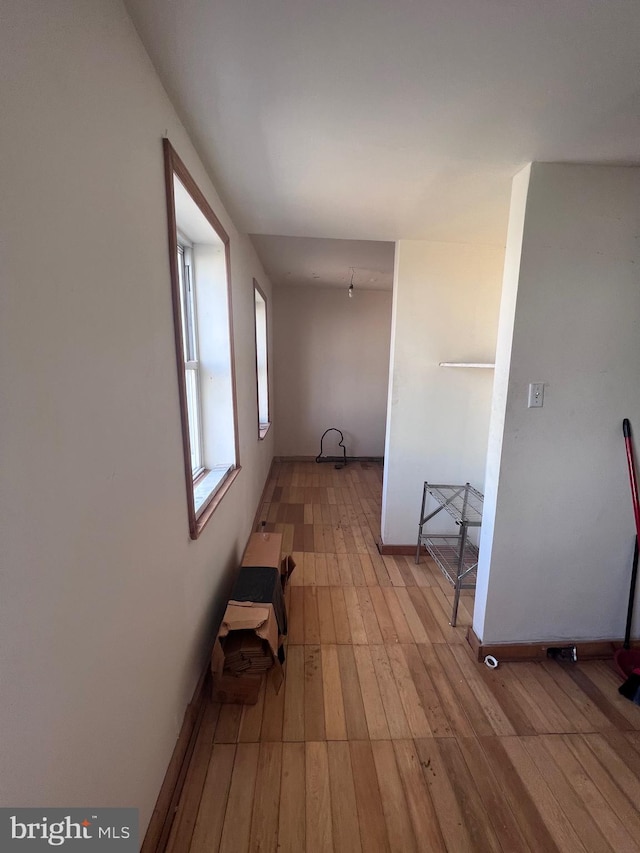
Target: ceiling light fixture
x=350, y=290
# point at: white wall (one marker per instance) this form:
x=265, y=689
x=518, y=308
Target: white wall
x=446, y=300
x=108, y=608
x=561, y=541
x=331, y=367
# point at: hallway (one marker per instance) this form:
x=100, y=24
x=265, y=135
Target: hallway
x=386, y=734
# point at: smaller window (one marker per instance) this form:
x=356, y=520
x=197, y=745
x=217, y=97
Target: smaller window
x=262, y=371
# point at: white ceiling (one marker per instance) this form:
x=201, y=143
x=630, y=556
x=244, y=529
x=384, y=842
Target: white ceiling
x=387, y=119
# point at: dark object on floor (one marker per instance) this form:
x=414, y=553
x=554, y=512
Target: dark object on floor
x=340, y=462
x=631, y=687
x=564, y=654
x=626, y=659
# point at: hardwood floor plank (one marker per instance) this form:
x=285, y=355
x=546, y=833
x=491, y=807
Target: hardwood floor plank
x=355, y=718
x=319, y=832
x=251, y=719
x=417, y=629
x=608, y=682
x=311, y=616
x=554, y=818
x=500, y=683
x=228, y=726
x=523, y=806
x=378, y=563
x=189, y=805
x=394, y=804
x=403, y=632
x=237, y=826
x=577, y=722
x=344, y=565
x=295, y=615
x=553, y=718
x=374, y=636
x=294, y=690
x=338, y=538
x=585, y=787
x=617, y=768
x=322, y=572
x=371, y=697
x=334, y=714
x=325, y=616
x=449, y=700
x=368, y=572
x=373, y=830
x=441, y=604
x=266, y=800
x=314, y=728
x=484, y=697
x=396, y=718
x=429, y=698
x=502, y=819
x=308, y=535
x=425, y=614
x=421, y=809
x=340, y=617
x=213, y=804
x=292, y=813
x=474, y=815
x=619, y=743
x=346, y=830
x=272, y=715
x=526, y=708
x=461, y=690
x=446, y=804
x=421, y=576
x=411, y=700
x=597, y=697
x=333, y=570
x=577, y=813
x=356, y=568
x=402, y=562
x=385, y=622
x=597, y=720
x=354, y=614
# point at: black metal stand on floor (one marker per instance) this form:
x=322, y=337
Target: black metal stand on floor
x=340, y=462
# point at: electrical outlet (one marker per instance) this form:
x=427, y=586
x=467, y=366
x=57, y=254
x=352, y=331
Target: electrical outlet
x=536, y=395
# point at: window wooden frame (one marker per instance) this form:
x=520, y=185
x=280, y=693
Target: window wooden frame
x=173, y=166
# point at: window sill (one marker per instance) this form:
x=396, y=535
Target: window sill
x=208, y=491
x=263, y=429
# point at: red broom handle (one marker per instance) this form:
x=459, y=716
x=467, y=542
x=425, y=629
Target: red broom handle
x=628, y=442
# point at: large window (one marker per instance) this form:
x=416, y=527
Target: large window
x=262, y=372
x=199, y=255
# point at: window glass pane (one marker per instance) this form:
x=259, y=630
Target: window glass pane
x=190, y=305
x=191, y=378
x=183, y=302
x=261, y=358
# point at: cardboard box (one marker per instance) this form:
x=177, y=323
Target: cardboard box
x=263, y=549
x=248, y=640
x=237, y=690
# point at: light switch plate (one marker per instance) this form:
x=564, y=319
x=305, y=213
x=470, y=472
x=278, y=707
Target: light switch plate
x=536, y=395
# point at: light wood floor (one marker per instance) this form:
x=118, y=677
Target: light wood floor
x=387, y=735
